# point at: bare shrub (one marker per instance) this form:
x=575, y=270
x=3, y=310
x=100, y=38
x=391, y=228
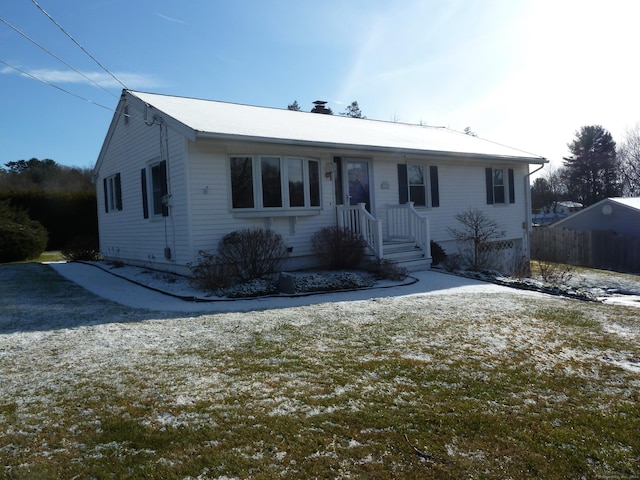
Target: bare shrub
x=452, y=262
x=385, y=269
x=252, y=253
x=474, y=237
x=81, y=248
x=338, y=248
x=242, y=255
x=209, y=274
x=554, y=273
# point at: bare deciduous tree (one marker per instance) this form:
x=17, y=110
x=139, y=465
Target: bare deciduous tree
x=629, y=157
x=474, y=237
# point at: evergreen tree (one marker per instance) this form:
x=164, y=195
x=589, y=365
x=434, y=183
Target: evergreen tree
x=44, y=175
x=591, y=172
x=294, y=106
x=353, y=111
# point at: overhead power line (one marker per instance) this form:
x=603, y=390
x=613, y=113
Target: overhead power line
x=77, y=43
x=16, y=29
x=31, y=75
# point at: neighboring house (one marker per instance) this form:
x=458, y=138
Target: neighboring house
x=618, y=215
x=561, y=210
x=567, y=208
x=176, y=174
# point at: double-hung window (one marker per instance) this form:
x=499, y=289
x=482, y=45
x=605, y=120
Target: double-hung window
x=112, y=193
x=500, y=185
x=274, y=182
x=418, y=183
x=155, y=197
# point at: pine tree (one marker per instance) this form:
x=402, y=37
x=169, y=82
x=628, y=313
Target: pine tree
x=592, y=171
x=353, y=111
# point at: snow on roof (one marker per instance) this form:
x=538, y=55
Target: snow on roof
x=632, y=202
x=220, y=119
x=570, y=204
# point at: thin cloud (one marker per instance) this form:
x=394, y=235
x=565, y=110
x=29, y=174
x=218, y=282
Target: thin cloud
x=171, y=19
x=131, y=80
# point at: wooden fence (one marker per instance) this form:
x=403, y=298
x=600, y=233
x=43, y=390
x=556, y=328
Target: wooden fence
x=586, y=248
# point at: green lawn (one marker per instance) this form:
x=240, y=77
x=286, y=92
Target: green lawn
x=501, y=385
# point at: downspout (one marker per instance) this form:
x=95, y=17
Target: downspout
x=164, y=155
x=527, y=206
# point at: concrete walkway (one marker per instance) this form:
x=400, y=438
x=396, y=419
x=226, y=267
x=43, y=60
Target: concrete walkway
x=124, y=292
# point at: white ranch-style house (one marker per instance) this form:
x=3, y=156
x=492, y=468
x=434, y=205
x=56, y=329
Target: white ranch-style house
x=175, y=175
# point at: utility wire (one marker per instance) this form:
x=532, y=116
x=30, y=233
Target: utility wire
x=54, y=55
x=55, y=86
x=78, y=44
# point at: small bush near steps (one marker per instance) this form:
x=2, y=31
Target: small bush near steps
x=338, y=248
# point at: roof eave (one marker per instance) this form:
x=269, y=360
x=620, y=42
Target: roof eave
x=372, y=148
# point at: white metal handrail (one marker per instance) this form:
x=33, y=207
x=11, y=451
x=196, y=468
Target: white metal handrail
x=356, y=219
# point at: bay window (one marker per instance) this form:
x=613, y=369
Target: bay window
x=274, y=182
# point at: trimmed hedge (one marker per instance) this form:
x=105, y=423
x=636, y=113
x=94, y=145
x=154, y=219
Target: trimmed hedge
x=65, y=215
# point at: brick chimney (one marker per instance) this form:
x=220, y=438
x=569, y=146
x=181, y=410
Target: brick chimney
x=319, y=107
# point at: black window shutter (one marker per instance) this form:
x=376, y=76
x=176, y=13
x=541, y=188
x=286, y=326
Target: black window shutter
x=489, y=177
x=163, y=184
x=403, y=184
x=106, y=196
x=118, y=187
x=435, y=189
x=145, y=198
x=338, y=180
x=512, y=188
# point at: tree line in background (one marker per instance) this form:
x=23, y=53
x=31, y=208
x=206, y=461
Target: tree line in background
x=596, y=169
x=352, y=110
x=61, y=199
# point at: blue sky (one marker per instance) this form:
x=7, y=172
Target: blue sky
x=527, y=74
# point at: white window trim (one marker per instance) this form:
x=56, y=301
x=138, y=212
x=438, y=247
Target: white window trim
x=111, y=196
x=150, y=193
x=508, y=186
x=426, y=173
x=286, y=210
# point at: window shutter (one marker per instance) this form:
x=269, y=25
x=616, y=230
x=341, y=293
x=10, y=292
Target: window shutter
x=337, y=181
x=512, y=188
x=163, y=185
x=106, y=195
x=403, y=184
x=118, y=187
x=435, y=189
x=145, y=198
x=489, y=178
